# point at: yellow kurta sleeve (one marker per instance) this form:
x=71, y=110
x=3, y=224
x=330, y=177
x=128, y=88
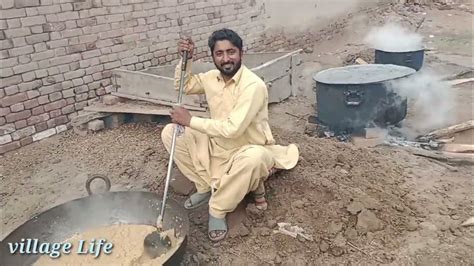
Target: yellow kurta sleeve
x=193, y=84
x=248, y=104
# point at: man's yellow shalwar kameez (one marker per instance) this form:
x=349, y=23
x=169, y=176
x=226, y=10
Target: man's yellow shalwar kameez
x=232, y=152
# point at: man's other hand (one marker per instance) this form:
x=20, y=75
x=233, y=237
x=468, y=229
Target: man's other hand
x=180, y=115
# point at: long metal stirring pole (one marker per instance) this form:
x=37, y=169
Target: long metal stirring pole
x=173, y=142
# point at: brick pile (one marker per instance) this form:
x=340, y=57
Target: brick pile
x=56, y=56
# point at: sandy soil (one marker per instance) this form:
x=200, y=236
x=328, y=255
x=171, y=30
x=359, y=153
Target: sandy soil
x=361, y=206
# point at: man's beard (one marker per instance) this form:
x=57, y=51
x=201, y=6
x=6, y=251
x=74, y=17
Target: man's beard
x=229, y=72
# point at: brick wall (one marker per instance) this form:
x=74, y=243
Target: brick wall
x=56, y=55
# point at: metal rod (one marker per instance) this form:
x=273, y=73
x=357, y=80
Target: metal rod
x=173, y=142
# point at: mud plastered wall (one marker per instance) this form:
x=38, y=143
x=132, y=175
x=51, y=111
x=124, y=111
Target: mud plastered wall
x=56, y=55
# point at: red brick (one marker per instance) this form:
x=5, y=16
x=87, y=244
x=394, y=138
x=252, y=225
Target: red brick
x=4, y=111
x=55, y=96
x=31, y=103
x=41, y=127
x=32, y=94
x=12, y=117
x=26, y=141
x=57, y=121
x=70, y=100
x=82, y=97
x=11, y=100
x=37, y=110
x=43, y=99
x=100, y=91
x=17, y=107
x=68, y=109
x=55, y=105
x=9, y=147
x=62, y=120
x=21, y=124
x=37, y=119
x=55, y=113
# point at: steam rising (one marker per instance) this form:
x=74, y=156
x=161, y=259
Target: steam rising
x=299, y=15
x=394, y=38
x=431, y=99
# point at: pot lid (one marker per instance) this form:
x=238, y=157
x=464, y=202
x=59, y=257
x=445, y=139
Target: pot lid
x=362, y=74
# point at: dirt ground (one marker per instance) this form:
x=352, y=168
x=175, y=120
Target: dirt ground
x=360, y=206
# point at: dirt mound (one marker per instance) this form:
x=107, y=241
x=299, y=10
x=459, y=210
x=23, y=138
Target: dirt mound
x=340, y=195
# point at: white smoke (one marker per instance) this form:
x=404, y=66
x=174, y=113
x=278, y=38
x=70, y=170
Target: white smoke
x=300, y=15
x=431, y=99
x=394, y=38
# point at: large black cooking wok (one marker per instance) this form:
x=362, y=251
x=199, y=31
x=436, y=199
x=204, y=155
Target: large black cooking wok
x=123, y=207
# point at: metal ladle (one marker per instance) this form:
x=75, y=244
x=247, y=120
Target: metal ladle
x=158, y=242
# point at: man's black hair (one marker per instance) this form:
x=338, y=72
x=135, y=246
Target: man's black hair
x=225, y=34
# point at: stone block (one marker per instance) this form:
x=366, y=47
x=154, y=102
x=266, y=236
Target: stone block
x=38, y=110
x=41, y=126
x=5, y=139
x=21, y=124
x=13, y=99
x=13, y=117
x=33, y=20
x=37, y=38
x=31, y=103
x=9, y=147
x=29, y=76
x=44, y=134
x=21, y=51
x=26, y=3
x=12, y=13
x=29, y=86
x=55, y=105
x=61, y=128
x=26, y=141
x=7, y=129
x=25, y=68
x=24, y=132
x=11, y=90
x=17, y=107
x=95, y=125
x=4, y=111
x=111, y=100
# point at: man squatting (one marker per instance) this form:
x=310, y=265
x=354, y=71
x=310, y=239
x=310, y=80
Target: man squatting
x=233, y=152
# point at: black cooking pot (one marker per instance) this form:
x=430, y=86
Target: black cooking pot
x=123, y=207
x=412, y=59
x=355, y=97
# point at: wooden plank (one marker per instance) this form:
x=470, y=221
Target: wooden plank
x=458, y=148
x=361, y=61
x=147, y=85
x=448, y=157
x=449, y=131
x=138, y=98
x=134, y=108
x=460, y=81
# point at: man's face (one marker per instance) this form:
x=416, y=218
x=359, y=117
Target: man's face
x=227, y=58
